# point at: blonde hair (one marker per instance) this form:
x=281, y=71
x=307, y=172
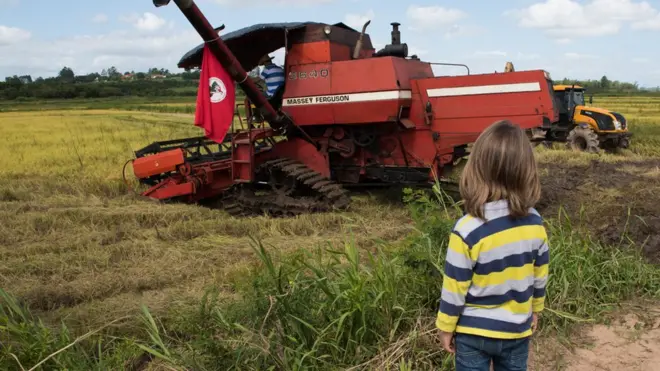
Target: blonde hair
x=501, y=166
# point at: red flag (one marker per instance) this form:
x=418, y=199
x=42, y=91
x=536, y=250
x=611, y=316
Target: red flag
x=216, y=97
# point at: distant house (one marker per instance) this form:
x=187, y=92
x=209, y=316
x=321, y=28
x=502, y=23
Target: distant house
x=127, y=76
x=158, y=76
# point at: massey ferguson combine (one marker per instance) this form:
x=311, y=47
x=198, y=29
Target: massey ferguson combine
x=347, y=115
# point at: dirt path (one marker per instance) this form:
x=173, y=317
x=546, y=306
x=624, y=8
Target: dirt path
x=630, y=342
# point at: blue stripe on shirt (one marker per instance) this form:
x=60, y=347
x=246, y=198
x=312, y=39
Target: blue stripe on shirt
x=511, y=261
x=494, y=325
x=499, y=225
x=451, y=309
x=459, y=274
x=274, y=77
x=517, y=296
x=543, y=259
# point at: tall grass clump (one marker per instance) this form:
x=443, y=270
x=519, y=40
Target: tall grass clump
x=26, y=343
x=328, y=309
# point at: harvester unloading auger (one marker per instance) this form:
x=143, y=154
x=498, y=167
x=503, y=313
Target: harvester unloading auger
x=350, y=115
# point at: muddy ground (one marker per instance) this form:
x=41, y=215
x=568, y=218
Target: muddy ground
x=617, y=203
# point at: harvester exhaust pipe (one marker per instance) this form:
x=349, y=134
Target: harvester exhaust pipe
x=358, y=45
x=226, y=58
x=396, y=34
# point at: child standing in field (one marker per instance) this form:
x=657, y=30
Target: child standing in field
x=497, y=261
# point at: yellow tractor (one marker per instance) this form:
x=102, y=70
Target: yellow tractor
x=586, y=128
x=583, y=128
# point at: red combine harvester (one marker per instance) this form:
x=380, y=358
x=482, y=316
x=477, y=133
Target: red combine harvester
x=347, y=115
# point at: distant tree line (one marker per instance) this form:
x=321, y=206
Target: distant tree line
x=161, y=82
x=607, y=86
x=109, y=83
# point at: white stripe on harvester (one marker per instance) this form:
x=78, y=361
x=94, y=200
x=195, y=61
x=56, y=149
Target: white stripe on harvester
x=484, y=89
x=348, y=98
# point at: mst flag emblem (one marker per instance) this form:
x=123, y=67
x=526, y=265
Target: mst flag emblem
x=216, y=97
x=218, y=90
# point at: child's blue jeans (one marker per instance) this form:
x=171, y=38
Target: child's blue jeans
x=474, y=353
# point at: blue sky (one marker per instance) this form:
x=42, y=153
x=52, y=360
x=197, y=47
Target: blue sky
x=568, y=38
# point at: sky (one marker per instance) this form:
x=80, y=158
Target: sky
x=581, y=39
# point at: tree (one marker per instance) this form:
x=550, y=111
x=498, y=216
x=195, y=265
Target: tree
x=66, y=74
x=604, y=83
x=113, y=74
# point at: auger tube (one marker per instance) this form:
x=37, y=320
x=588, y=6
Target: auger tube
x=226, y=58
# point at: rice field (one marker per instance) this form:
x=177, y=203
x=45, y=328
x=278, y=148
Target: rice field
x=80, y=248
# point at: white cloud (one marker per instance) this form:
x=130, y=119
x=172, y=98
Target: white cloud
x=145, y=22
x=358, y=20
x=125, y=49
x=100, y=18
x=641, y=60
x=568, y=19
x=457, y=30
x=12, y=35
x=433, y=17
x=651, y=24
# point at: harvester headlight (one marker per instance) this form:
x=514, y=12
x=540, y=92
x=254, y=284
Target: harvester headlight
x=547, y=75
x=327, y=30
x=617, y=125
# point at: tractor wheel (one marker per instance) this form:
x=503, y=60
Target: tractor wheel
x=624, y=143
x=583, y=139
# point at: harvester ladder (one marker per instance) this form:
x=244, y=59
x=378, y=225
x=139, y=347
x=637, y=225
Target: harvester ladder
x=242, y=149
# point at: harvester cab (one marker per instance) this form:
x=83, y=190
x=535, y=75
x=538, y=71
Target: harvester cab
x=587, y=128
x=350, y=115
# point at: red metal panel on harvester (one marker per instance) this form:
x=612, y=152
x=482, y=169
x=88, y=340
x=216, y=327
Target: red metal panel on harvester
x=362, y=91
x=463, y=106
x=160, y=163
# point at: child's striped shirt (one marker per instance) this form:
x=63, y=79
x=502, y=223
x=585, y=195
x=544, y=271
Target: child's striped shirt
x=495, y=274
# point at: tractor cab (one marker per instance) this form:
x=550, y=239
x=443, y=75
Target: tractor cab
x=568, y=97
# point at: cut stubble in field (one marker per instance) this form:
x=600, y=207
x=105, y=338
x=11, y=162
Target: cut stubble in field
x=77, y=244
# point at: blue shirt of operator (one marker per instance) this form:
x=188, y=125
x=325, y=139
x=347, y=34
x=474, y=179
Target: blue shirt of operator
x=273, y=75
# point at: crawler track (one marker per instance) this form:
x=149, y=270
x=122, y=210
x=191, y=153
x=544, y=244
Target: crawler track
x=294, y=189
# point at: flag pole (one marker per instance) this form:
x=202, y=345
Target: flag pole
x=227, y=59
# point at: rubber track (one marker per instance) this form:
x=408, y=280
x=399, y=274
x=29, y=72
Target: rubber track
x=328, y=194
